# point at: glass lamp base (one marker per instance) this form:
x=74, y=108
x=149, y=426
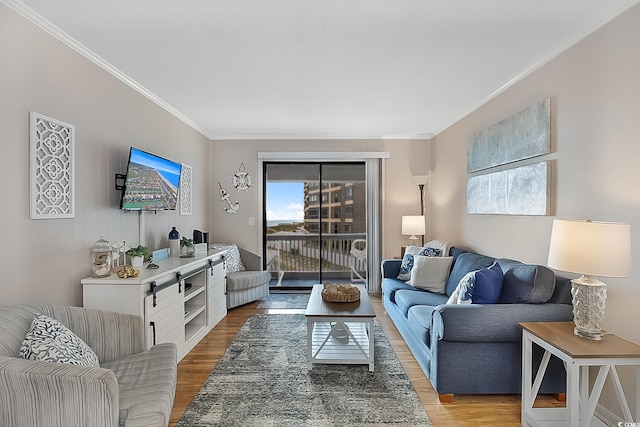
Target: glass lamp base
x=589, y=300
x=588, y=335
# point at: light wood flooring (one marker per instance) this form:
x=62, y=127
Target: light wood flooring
x=478, y=410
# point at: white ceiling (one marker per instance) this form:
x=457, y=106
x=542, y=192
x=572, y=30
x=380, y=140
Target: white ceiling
x=271, y=69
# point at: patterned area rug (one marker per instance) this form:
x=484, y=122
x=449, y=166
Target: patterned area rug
x=282, y=300
x=262, y=380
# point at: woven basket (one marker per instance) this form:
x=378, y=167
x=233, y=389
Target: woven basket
x=339, y=296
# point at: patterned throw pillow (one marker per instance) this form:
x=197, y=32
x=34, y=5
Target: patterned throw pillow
x=50, y=341
x=463, y=293
x=408, y=260
x=232, y=258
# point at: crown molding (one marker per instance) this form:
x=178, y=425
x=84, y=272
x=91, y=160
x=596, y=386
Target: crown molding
x=65, y=38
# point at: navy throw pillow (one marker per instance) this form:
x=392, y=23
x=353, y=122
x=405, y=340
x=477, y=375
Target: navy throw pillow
x=488, y=285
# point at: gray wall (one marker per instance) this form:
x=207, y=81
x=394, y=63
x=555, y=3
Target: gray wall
x=43, y=261
x=595, y=110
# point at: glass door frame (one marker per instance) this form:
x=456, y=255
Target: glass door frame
x=332, y=236
x=374, y=173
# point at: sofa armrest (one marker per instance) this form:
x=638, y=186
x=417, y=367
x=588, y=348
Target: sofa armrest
x=34, y=393
x=492, y=322
x=391, y=268
x=251, y=261
x=110, y=335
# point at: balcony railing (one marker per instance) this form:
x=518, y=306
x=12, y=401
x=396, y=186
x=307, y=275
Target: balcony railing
x=299, y=255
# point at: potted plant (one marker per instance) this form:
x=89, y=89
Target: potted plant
x=186, y=246
x=138, y=254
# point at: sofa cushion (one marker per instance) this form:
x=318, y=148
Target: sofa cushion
x=408, y=260
x=147, y=384
x=419, y=317
x=430, y=273
x=466, y=262
x=390, y=286
x=48, y=340
x=487, y=285
x=526, y=283
x=405, y=299
x=247, y=279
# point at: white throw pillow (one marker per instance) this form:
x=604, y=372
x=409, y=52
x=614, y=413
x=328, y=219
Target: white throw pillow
x=407, y=259
x=464, y=291
x=48, y=340
x=430, y=273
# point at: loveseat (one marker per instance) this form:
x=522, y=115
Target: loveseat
x=477, y=348
x=131, y=386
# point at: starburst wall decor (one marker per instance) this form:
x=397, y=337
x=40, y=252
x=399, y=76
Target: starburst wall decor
x=242, y=180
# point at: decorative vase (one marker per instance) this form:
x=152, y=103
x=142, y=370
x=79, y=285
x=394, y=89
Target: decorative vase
x=137, y=261
x=174, y=242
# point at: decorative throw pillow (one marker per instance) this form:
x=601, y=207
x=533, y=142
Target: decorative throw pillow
x=463, y=293
x=430, y=273
x=408, y=259
x=50, y=341
x=488, y=285
x=232, y=258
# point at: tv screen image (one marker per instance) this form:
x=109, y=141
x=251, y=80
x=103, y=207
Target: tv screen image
x=151, y=182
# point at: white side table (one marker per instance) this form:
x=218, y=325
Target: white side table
x=578, y=355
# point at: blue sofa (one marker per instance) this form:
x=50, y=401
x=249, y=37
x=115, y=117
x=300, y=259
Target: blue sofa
x=477, y=348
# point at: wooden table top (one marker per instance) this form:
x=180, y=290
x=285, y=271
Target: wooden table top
x=317, y=307
x=561, y=336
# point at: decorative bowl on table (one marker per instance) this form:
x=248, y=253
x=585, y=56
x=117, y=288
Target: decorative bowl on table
x=342, y=292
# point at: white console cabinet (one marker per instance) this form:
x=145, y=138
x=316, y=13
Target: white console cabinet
x=180, y=302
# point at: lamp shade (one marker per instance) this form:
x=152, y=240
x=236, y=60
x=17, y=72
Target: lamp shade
x=413, y=225
x=591, y=248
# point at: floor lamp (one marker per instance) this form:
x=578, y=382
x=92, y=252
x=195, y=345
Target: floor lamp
x=421, y=180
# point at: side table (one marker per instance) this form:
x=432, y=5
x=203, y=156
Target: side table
x=578, y=355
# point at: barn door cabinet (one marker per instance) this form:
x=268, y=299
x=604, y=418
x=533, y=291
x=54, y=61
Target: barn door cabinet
x=180, y=302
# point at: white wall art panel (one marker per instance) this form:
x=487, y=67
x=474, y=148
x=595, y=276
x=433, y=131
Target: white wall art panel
x=52, y=168
x=519, y=191
x=185, y=190
x=523, y=135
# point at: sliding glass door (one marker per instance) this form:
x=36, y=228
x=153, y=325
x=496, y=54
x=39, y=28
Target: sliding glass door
x=315, y=222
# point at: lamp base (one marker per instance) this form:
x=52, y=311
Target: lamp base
x=589, y=297
x=589, y=335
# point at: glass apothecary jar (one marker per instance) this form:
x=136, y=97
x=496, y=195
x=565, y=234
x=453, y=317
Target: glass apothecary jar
x=101, y=258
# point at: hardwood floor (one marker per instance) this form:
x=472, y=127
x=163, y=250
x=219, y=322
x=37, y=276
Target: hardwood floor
x=477, y=410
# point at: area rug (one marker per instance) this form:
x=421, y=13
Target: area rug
x=263, y=380
x=284, y=300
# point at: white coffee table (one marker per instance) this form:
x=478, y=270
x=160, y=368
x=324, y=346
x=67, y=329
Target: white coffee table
x=328, y=341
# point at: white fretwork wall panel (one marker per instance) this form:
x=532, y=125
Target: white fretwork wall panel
x=185, y=190
x=52, y=168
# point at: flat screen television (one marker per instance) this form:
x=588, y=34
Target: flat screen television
x=151, y=183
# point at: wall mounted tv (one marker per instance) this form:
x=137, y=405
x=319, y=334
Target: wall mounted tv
x=151, y=183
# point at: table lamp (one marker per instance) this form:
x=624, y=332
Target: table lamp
x=413, y=225
x=591, y=249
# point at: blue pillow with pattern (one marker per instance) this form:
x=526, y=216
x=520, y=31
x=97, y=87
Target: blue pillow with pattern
x=408, y=259
x=50, y=341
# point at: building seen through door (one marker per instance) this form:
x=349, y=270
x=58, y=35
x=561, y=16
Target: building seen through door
x=321, y=245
